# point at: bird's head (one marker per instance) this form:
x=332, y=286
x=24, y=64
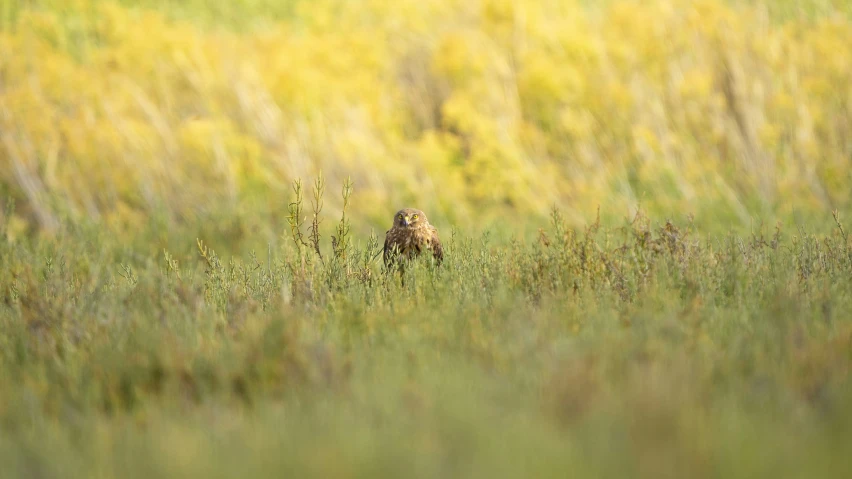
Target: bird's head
x=409, y=218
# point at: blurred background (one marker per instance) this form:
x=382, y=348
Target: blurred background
x=162, y=119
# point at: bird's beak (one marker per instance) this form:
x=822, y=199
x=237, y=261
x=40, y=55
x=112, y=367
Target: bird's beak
x=406, y=221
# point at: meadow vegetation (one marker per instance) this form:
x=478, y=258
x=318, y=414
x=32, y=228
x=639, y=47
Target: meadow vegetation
x=644, y=350
x=644, y=207
x=476, y=112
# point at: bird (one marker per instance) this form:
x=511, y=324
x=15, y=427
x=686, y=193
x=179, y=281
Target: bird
x=411, y=235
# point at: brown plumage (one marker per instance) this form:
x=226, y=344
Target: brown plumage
x=411, y=235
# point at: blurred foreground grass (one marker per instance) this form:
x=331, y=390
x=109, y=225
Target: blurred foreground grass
x=200, y=114
x=645, y=350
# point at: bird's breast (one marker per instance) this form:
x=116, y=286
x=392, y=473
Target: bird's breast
x=414, y=241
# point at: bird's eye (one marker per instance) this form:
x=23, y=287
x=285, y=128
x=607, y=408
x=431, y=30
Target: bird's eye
x=399, y=217
x=414, y=217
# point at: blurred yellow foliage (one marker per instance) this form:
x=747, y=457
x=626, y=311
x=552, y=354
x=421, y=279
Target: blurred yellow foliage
x=469, y=110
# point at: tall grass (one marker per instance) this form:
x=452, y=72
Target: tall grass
x=643, y=350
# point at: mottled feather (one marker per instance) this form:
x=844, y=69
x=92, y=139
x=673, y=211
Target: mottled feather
x=410, y=236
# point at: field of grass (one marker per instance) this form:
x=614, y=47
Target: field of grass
x=645, y=350
x=645, y=208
